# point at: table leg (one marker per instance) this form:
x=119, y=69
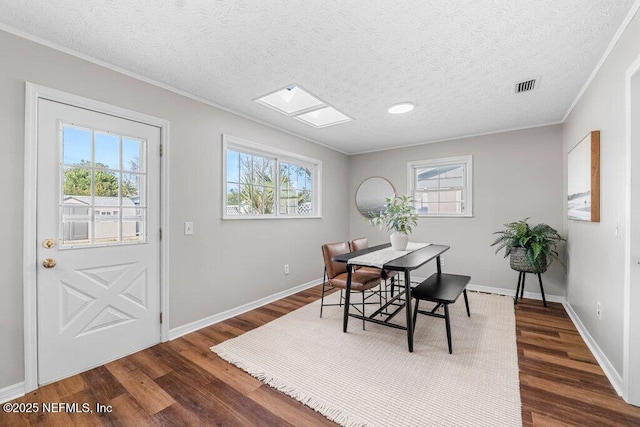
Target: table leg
x=407, y=299
x=347, y=299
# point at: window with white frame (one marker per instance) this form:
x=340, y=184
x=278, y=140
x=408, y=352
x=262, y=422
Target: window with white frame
x=263, y=182
x=442, y=187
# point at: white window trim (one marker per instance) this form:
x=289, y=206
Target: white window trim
x=236, y=143
x=467, y=160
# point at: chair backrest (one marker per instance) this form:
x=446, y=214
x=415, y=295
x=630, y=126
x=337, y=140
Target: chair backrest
x=329, y=251
x=358, y=244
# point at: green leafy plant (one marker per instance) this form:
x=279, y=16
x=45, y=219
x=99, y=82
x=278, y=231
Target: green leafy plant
x=538, y=242
x=398, y=214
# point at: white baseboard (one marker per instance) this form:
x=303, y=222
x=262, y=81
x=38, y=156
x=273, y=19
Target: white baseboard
x=614, y=377
x=208, y=321
x=512, y=293
x=503, y=291
x=12, y=392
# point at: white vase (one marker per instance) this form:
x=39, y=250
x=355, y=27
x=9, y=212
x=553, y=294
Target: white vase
x=399, y=241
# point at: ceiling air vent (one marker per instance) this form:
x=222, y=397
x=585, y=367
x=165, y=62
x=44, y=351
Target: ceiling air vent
x=526, y=86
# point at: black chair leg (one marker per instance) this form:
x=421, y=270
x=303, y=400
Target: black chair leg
x=415, y=315
x=466, y=302
x=393, y=285
x=446, y=321
x=544, y=301
x=324, y=281
x=524, y=276
x=363, y=315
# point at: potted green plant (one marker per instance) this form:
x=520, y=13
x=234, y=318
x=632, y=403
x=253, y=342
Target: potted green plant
x=398, y=215
x=531, y=250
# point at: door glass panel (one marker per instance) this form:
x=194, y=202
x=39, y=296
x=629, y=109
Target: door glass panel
x=76, y=233
x=131, y=154
x=132, y=189
x=76, y=181
x=102, y=197
x=133, y=224
x=106, y=224
x=107, y=149
x=76, y=224
x=105, y=183
x=76, y=148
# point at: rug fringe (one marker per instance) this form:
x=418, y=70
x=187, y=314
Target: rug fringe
x=328, y=411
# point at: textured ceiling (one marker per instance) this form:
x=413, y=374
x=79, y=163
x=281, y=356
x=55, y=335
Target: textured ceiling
x=456, y=60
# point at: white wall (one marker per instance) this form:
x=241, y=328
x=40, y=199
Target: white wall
x=596, y=255
x=515, y=175
x=225, y=263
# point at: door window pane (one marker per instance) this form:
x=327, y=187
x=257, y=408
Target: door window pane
x=76, y=233
x=106, y=224
x=76, y=147
x=132, y=154
x=105, y=183
x=107, y=151
x=132, y=187
x=103, y=199
x=76, y=181
x=133, y=220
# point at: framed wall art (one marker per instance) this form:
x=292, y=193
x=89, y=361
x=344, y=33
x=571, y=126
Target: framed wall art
x=584, y=179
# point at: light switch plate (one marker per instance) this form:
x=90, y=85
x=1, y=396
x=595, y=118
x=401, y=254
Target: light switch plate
x=188, y=228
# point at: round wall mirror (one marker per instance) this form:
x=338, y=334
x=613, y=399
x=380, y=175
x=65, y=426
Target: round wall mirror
x=371, y=195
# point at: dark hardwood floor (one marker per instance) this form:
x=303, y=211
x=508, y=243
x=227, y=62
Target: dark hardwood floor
x=182, y=382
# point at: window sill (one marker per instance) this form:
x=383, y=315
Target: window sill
x=256, y=217
x=445, y=216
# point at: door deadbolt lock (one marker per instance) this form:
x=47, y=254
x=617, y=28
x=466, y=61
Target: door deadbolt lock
x=48, y=243
x=49, y=263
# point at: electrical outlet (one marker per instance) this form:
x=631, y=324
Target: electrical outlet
x=618, y=228
x=599, y=310
x=286, y=269
x=441, y=261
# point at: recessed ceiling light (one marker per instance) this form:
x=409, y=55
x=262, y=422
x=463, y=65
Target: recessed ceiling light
x=291, y=100
x=323, y=117
x=401, y=108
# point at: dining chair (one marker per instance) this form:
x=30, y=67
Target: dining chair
x=335, y=276
x=390, y=275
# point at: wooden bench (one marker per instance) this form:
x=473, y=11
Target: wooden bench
x=442, y=289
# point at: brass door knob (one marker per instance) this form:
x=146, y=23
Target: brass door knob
x=49, y=263
x=48, y=243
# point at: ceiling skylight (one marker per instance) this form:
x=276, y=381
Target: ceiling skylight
x=291, y=100
x=323, y=117
x=300, y=104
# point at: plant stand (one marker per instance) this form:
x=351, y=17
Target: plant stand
x=520, y=288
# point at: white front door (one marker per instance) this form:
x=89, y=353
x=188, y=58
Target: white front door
x=98, y=222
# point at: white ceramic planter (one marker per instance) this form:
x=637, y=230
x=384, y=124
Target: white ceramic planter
x=399, y=241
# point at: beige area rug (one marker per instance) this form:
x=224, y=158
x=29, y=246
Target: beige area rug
x=369, y=378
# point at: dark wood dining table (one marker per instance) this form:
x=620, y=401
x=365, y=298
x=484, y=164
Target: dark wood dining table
x=406, y=264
